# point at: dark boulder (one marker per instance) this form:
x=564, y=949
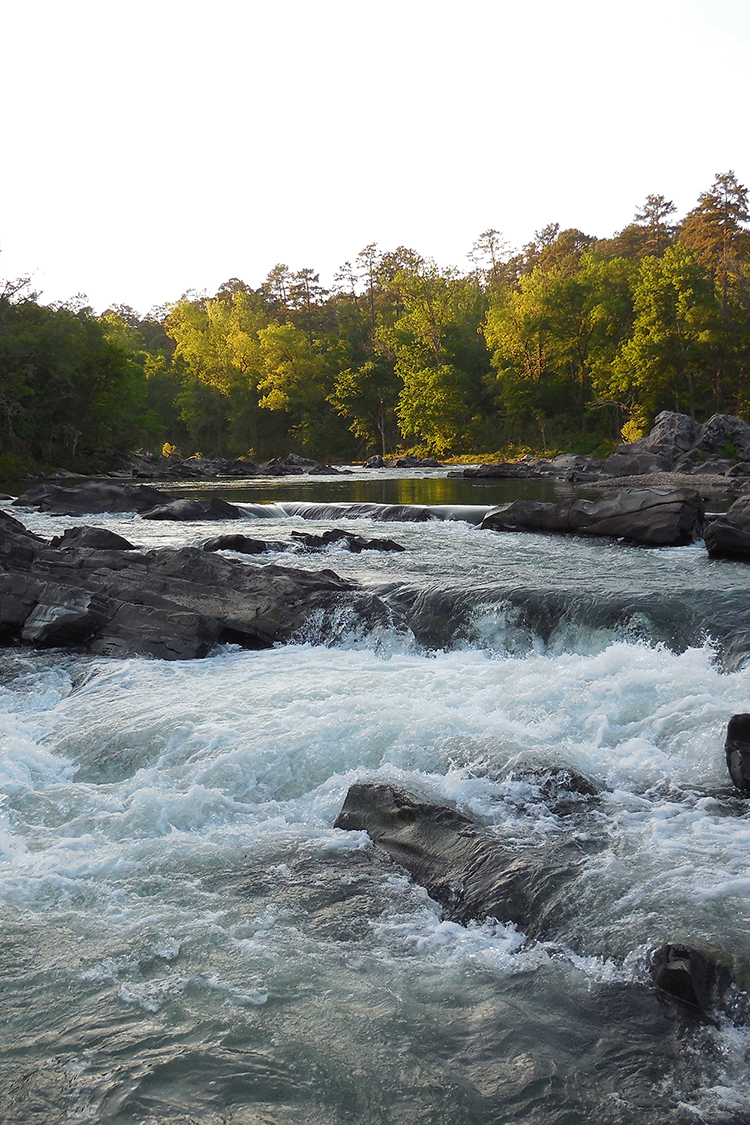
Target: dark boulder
x=171, y=604
x=97, y=538
x=651, y=517
x=187, y=510
x=671, y=436
x=353, y=543
x=724, y=435
x=512, y=470
x=636, y=464
x=699, y=977
x=461, y=865
x=728, y=536
x=374, y=462
x=92, y=498
x=277, y=467
x=737, y=750
x=242, y=544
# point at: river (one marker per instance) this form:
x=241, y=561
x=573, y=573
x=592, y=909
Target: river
x=187, y=938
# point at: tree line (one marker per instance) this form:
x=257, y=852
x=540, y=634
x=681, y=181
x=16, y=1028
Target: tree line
x=573, y=342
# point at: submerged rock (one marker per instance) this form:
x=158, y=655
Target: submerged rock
x=461, y=865
x=464, y=868
x=651, y=517
x=700, y=977
x=737, y=750
x=353, y=543
x=174, y=604
x=728, y=536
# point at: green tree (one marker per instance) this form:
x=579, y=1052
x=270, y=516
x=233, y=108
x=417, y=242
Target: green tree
x=669, y=359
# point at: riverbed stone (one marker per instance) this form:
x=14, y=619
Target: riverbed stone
x=92, y=498
x=728, y=536
x=700, y=977
x=97, y=538
x=190, y=510
x=737, y=750
x=462, y=865
x=174, y=604
x=652, y=517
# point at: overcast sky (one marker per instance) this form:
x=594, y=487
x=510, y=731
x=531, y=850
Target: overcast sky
x=156, y=146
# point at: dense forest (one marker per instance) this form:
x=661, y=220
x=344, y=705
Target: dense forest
x=574, y=343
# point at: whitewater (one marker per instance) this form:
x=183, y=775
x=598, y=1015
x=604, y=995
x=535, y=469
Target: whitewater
x=187, y=938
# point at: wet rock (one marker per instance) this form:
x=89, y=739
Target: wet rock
x=353, y=543
x=700, y=977
x=92, y=498
x=96, y=538
x=375, y=462
x=461, y=865
x=737, y=750
x=652, y=517
x=186, y=510
x=171, y=604
x=243, y=544
x=325, y=470
x=728, y=536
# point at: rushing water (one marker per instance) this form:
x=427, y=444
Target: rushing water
x=186, y=938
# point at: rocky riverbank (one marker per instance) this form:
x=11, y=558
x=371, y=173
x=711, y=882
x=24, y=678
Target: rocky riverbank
x=678, y=452
x=102, y=595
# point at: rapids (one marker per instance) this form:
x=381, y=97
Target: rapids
x=186, y=938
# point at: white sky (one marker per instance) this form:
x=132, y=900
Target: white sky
x=156, y=146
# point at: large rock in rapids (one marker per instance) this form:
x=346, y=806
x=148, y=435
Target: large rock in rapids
x=462, y=866
x=473, y=876
x=728, y=536
x=171, y=604
x=737, y=751
x=700, y=977
x=187, y=510
x=93, y=497
x=652, y=517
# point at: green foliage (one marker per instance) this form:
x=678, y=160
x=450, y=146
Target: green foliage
x=68, y=382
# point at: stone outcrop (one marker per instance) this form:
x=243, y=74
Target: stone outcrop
x=171, y=604
x=462, y=866
x=242, y=544
x=98, y=538
x=737, y=751
x=408, y=462
x=728, y=536
x=651, y=517
x=245, y=545
x=93, y=497
x=190, y=510
x=701, y=978
x=472, y=876
x=354, y=543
